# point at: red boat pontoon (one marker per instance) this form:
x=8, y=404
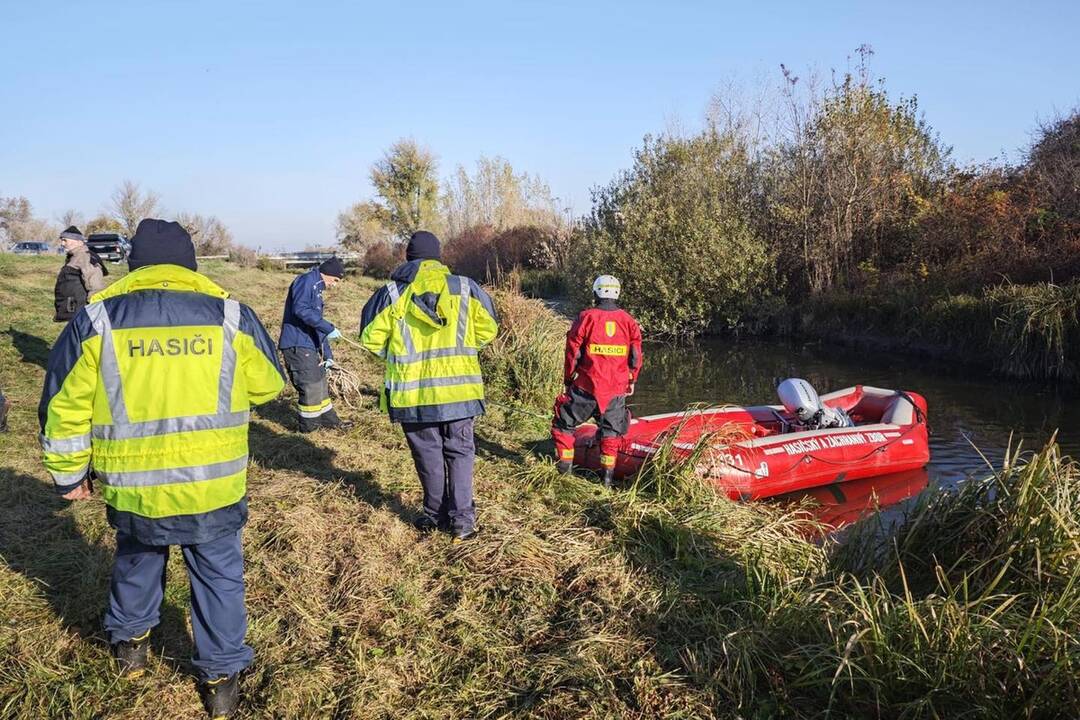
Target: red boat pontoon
x=774, y=455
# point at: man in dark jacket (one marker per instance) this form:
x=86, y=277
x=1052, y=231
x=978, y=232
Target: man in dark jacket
x=305, y=344
x=82, y=275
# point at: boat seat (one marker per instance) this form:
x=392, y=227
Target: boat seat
x=899, y=412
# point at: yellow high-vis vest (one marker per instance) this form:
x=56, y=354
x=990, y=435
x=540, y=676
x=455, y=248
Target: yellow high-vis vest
x=429, y=330
x=151, y=385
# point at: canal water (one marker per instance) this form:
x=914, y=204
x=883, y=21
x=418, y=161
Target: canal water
x=972, y=416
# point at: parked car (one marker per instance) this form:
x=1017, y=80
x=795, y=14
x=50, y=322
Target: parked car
x=109, y=246
x=31, y=248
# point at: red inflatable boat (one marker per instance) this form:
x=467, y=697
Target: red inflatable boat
x=765, y=453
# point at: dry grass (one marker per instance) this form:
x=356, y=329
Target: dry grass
x=523, y=365
x=660, y=601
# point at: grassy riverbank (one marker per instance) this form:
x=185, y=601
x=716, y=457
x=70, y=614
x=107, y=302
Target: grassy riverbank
x=1026, y=332
x=663, y=600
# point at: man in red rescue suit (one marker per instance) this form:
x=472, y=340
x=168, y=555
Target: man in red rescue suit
x=603, y=360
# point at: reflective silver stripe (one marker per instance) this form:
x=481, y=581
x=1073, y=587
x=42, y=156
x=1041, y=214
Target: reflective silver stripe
x=403, y=328
x=316, y=413
x=191, y=423
x=168, y=476
x=463, y=313
x=110, y=367
x=122, y=429
x=434, y=382
x=406, y=337
x=69, y=478
x=429, y=354
x=66, y=445
x=230, y=326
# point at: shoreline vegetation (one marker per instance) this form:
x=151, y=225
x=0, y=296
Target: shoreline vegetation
x=805, y=205
x=663, y=599
x=1023, y=332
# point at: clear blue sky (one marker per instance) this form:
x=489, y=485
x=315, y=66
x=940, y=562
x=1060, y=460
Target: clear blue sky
x=270, y=114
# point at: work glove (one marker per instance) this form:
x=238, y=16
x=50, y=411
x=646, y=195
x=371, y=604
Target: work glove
x=630, y=391
x=333, y=334
x=330, y=364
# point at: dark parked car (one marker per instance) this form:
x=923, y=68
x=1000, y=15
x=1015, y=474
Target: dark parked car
x=31, y=248
x=109, y=246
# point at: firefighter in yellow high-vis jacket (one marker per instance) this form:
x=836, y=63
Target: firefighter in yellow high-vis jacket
x=149, y=390
x=428, y=326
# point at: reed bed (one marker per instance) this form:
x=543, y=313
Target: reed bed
x=523, y=365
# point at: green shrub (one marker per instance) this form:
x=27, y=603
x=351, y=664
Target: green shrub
x=268, y=265
x=243, y=256
x=543, y=283
x=675, y=231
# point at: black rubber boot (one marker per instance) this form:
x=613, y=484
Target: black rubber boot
x=425, y=524
x=131, y=655
x=565, y=467
x=608, y=477
x=222, y=696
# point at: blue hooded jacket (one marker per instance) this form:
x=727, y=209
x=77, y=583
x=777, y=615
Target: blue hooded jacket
x=303, y=324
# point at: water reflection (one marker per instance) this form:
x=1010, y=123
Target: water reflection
x=966, y=410
x=841, y=504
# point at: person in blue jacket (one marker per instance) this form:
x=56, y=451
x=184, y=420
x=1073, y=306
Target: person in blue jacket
x=305, y=344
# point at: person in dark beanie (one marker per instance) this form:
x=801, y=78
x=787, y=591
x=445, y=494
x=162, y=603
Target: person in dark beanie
x=305, y=345
x=82, y=275
x=159, y=242
x=422, y=246
x=152, y=385
x=428, y=327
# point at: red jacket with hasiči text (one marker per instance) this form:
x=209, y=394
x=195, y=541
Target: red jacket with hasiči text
x=603, y=352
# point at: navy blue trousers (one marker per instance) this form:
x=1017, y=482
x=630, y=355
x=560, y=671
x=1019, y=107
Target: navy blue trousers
x=218, y=617
x=444, y=453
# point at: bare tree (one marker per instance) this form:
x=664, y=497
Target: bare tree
x=14, y=211
x=130, y=205
x=18, y=224
x=209, y=234
x=1054, y=165
x=70, y=217
x=497, y=197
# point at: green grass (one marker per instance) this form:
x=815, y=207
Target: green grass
x=663, y=599
x=1028, y=332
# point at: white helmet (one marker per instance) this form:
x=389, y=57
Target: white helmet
x=607, y=287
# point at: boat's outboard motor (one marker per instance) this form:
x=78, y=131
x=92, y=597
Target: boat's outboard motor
x=801, y=400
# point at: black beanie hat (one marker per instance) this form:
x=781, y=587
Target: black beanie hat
x=333, y=267
x=422, y=246
x=73, y=233
x=157, y=242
